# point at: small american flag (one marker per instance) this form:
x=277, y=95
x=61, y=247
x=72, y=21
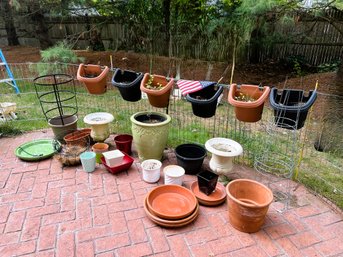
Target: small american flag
x=190, y=86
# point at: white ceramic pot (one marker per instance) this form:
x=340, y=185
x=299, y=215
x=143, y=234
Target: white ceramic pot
x=99, y=122
x=173, y=175
x=223, y=151
x=151, y=170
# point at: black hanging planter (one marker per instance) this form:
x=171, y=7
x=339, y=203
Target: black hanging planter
x=128, y=83
x=291, y=107
x=204, y=101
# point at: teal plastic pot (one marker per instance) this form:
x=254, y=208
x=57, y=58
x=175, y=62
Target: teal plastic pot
x=88, y=161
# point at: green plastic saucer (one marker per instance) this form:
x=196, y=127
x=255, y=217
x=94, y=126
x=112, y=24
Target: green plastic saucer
x=37, y=149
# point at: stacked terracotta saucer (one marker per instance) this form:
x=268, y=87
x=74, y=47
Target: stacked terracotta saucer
x=217, y=197
x=171, y=206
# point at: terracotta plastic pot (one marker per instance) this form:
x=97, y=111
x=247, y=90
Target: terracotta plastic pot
x=99, y=149
x=94, y=78
x=79, y=137
x=248, y=110
x=248, y=203
x=157, y=98
x=123, y=143
x=128, y=83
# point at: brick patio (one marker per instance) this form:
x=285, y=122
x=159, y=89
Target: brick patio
x=47, y=210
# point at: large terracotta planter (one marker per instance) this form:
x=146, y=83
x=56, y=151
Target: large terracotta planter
x=204, y=102
x=150, y=134
x=157, y=98
x=94, y=78
x=128, y=83
x=248, y=203
x=291, y=107
x=223, y=151
x=248, y=110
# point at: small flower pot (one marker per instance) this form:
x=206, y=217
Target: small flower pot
x=124, y=143
x=88, y=161
x=157, y=97
x=94, y=78
x=207, y=181
x=128, y=83
x=248, y=101
x=204, y=102
x=151, y=170
x=248, y=203
x=190, y=157
x=173, y=175
x=291, y=107
x=99, y=149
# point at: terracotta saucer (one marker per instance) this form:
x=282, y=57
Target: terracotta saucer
x=171, y=223
x=171, y=202
x=217, y=197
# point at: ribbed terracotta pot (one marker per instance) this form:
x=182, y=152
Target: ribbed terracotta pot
x=150, y=134
x=157, y=98
x=248, y=111
x=94, y=78
x=248, y=203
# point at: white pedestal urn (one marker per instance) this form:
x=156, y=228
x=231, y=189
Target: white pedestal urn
x=150, y=134
x=223, y=151
x=99, y=122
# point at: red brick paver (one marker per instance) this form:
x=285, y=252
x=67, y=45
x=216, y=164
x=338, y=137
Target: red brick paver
x=48, y=210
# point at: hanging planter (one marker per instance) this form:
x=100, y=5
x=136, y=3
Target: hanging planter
x=94, y=78
x=128, y=83
x=248, y=101
x=158, y=89
x=291, y=107
x=204, y=102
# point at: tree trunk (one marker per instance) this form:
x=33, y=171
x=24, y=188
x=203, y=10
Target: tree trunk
x=41, y=29
x=6, y=13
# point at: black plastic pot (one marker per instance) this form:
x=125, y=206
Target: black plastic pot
x=204, y=101
x=291, y=107
x=190, y=157
x=207, y=181
x=128, y=83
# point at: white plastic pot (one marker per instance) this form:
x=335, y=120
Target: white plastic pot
x=173, y=175
x=151, y=170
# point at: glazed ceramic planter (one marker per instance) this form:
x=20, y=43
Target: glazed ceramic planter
x=173, y=175
x=223, y=151
x=99, y=149
x=99, y=122
x=150, y=134
x=291, y=107
x=204, y=102
x=63, y=125
x=123, y=143
x=207, y=181
x=248, y=101
x=190, y=157
x=94, y=78
x=128, y=83
x=157, y=98
x=151, y=170
x=248, y=203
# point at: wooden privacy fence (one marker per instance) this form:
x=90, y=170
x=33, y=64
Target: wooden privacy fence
x=314, y=40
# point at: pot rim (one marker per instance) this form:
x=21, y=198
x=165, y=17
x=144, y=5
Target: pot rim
x=104, y=70
x=107, y=116
x=151, y=161
x=73, y=121
x=268, y=191
x=100, y=146
x=166, y=88
x=237, y=151
x=166, y=116
x=129, y=84
x=191, y=158
x=181, y=170
x=254, y=104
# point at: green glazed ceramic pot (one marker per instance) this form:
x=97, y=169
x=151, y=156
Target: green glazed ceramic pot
x=150, y=134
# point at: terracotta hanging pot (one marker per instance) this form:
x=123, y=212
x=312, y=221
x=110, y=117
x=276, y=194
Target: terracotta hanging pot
x=248, y=203
x=248, y=101
x=94, y=78
x=158, y=89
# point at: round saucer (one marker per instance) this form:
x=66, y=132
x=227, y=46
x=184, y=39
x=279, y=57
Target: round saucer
x=217, y=197
x=170, y=223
